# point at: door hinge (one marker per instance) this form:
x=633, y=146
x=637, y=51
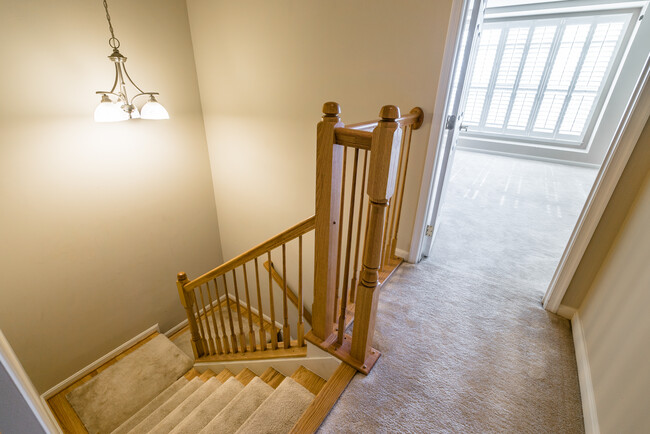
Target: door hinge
x=429, y=231
x=451, y=122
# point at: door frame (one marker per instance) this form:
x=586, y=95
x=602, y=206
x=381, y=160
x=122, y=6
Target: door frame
x=628, y=131
x=627, y=134
x=433, y=157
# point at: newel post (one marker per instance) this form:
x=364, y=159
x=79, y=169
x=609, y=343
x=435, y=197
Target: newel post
x=384, y=157
x=188, y=303
x=329, y=166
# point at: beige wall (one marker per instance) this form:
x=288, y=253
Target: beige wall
x=97, y=219
x=265, y=69
x=624, y=194
x=616, y=324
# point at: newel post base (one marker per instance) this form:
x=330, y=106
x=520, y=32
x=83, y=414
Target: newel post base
x=342, y=352
x=188, y=302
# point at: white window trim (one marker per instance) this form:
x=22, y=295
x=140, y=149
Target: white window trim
x=568, y=142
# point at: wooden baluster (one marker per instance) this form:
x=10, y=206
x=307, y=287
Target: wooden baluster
x=242, y=336
x=329, y=158
x=274, y=332
x=224, y=335
x=233, y=335
x=384, y=237
x=217, y=338
x=260, y=312
x=355, y=270
x=348, y=249
x=401, y=196
x=393, y=208
x=340, y=246
x=381, y=184
x=286, y=330
x=188, y=304
x=251, y=333
x=204, y=341
x=301, y=324
x=207, y=321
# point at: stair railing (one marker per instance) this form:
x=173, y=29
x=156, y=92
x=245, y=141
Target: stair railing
x=343, y=290
x=213, y=332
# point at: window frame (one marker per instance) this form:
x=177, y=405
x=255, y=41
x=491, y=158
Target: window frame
x=552, y=140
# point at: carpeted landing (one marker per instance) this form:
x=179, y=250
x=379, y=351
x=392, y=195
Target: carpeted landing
x=466, y=345
x=152, y=391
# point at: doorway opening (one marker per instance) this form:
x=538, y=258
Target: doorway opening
x=535, y=98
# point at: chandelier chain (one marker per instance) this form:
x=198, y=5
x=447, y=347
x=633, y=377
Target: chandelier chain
x=113, y=41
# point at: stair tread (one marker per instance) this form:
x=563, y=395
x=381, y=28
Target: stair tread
x=272, y=377
x=245, y=376
x=308, y=380
x=209, y=408
x=177, y=415
x=145, y=411
x=167, y=407
x=240, y=408
x=280, y=411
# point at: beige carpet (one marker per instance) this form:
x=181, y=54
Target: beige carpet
x=107, y=400
x=466, y=345
x=205, y=412
x=186, y=407
x=272, y=418
x=240, y=408
x=151, y=407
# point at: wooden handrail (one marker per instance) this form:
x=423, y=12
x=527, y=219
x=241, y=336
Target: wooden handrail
x=268, y=245
x=290, y=293
x=415, y=118
x=354, y=138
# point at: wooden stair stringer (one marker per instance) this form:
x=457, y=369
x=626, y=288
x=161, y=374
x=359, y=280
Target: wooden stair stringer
x=325, y=400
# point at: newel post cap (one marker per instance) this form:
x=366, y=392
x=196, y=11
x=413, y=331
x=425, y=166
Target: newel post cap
x=389, y=113
x=331, y=108
x=181, y=276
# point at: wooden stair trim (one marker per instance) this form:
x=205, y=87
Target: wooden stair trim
x=224, y=375
x=389, y=269
x=308, y=380
x=192, y=374
x=245, y=376
x=63, y=412
x=293, y=351
x=342, y=352
x=272, y=377
x=320, y=407
x=206, y=375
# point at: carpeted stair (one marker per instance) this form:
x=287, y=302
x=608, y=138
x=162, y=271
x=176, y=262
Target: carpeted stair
x=193, y=403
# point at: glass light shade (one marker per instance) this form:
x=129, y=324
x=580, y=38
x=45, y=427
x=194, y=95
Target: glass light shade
x=108, y=111
x=154, y=110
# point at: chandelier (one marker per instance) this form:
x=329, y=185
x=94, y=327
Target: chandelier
x=115, y=104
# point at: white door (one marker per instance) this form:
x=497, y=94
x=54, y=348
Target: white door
x=456, y=96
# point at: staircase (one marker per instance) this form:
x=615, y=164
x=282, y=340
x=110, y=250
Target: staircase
x=227, y=403
x=205, y=402
x=241, y=312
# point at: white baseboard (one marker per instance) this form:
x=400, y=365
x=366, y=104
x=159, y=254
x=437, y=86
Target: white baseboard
x=528, y=157
x=176, y=328
x=402, y=254
x=584, y=375
x=12, y=366
x=566, y=311
x=99, y=362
